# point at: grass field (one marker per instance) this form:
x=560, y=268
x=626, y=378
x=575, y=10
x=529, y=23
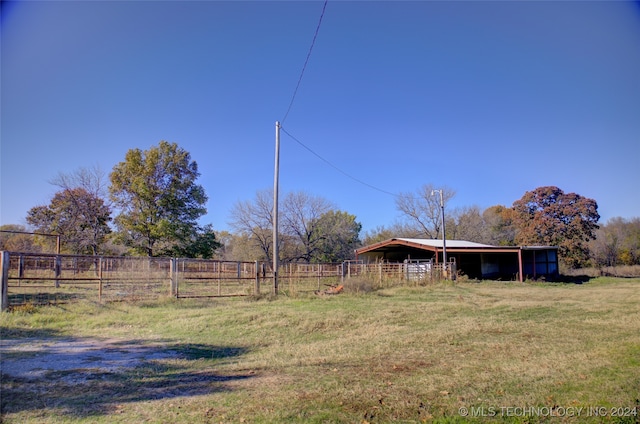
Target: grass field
x=469, y=352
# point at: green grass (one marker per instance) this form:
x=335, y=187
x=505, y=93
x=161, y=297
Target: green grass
x=416, y=354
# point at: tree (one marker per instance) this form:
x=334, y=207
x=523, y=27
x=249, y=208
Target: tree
x=499, y=226
x=548, y=216
x=617, y=243
x=467, y=224
x=423, y=210
x=300, y=222
x=492, y=226
x=159, y=200
x=93, y=180
x=254, y=222
x=337, y=235
x=306, y=225
x=223, y=252
x=378, y=234
x=15, y=238
x=201, y=244
x=79, y=217
x=382, y=233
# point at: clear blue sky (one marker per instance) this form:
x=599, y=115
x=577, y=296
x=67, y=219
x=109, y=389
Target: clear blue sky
x=489, y=98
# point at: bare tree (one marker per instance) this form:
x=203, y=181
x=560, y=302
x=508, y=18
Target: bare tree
x=397, y=229
x=301, y=217
x=617, y=243
x=304, y=229
x=93, y=180
x=422, y=209
x=253, y=220
x=467, y=223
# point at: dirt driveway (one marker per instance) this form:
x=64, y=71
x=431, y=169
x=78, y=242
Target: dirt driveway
x=35, y=358
x=82, y=377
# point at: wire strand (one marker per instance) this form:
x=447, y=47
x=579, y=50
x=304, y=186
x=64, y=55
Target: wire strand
x=335, y=167
x=313, y=42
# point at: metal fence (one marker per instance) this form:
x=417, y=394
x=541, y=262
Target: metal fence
x=49, y=278
x=208, y=278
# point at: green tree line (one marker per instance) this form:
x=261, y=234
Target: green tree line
x=151, y=204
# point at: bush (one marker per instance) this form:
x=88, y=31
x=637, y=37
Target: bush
x=359, y=285
x=625, y=271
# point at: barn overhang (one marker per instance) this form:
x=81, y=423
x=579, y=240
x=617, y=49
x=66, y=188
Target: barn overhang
x=473, y=259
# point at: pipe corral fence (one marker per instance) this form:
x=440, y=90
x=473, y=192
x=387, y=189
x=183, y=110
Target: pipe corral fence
x=38, y=278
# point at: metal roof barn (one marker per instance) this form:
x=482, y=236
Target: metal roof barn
x=476, y=260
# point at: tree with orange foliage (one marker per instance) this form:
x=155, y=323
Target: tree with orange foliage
x=549, y=216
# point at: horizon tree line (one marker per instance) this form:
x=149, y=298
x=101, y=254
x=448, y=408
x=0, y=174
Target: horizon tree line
x=158, y=204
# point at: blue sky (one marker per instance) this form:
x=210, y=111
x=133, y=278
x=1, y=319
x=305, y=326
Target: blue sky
x=491, y=99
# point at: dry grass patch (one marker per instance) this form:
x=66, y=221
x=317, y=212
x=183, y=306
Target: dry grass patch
x=393, y=355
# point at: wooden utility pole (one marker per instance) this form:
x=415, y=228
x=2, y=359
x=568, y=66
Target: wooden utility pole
x=444, y=235
x=275, y=211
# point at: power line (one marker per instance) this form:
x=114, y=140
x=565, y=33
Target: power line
x=313, y=42
x=336, y=168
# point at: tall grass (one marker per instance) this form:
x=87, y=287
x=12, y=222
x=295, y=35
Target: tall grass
x=393, y=355
x=623, y=271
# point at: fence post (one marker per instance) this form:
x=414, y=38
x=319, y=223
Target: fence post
x=4, y=265
x=20, y=267
x=58, y=269
x=173, y=276
x=99, y=278
x=256, y=289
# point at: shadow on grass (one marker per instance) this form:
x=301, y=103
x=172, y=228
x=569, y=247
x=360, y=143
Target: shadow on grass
x=82, y=377
x=574, y=279
x=22, y=333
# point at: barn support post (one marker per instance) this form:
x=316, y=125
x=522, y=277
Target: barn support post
x=4, y=266
x=520, y=268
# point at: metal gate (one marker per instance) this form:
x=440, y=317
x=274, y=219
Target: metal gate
x=206, y=278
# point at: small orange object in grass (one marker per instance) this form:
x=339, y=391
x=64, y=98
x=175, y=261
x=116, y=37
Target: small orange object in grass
x=331, y=290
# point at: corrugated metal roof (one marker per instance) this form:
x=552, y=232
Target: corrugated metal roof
x=435, y=245
x=450, y=243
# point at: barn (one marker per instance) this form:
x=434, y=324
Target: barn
x=481, y=261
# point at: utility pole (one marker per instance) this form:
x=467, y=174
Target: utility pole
x=444, y=237
x=275, y=211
